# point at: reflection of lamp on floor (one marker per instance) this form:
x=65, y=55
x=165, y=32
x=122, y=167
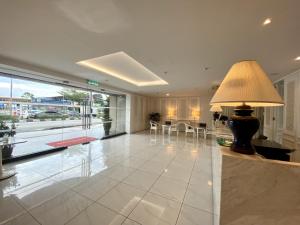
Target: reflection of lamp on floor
x=245, y=85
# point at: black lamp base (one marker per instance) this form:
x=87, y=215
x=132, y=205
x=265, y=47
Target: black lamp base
x=243, y=127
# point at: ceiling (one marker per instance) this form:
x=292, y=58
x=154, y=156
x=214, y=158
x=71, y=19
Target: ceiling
x=190, y=44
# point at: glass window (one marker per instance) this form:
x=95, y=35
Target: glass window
x=5, y=100
x=46, y=116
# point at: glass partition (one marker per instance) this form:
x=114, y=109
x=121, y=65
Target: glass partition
x=39, y=112
x=5, y=100
x=76, y=104
x=46, y=116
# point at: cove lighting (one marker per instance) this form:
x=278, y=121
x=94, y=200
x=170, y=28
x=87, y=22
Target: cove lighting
x=124, y=67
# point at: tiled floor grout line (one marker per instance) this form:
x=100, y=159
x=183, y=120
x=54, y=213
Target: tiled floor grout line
x=121, y=182
x=64, y=170
x=185, y=193
x=203, y=210
x=96, y=201
x=25, y=211
x=93, y=201
x=44, y=177
x=153, y=155
x=68, y=189
x=148, y=191
x=130, y=219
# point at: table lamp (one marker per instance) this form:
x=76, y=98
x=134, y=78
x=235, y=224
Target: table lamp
x=246, y=85
x=216, y=109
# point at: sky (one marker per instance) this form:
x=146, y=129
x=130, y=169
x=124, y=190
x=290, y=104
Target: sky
x=21, y=86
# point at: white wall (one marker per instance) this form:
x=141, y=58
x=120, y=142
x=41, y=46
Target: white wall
x=206, y=115
x=182, y=108
x=139, y=107
x=289, y=133
x=291, y=119
x=137, y=113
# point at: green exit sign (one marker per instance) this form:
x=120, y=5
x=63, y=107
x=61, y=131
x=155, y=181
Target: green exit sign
x=93, y=83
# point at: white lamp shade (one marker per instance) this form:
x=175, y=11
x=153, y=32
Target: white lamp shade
x=247, y=83
x=216, y=108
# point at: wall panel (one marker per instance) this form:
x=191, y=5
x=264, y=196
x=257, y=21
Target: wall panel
x=289, y=133
x=183, y=108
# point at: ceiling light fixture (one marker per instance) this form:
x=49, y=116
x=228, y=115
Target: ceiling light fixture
x=267, y=21
x=297, y=58
x=167, y=94
x=124, y=67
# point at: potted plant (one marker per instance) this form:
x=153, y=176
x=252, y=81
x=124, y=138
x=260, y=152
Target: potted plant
x=106, y=121
x=7, y=132
x=154, y=117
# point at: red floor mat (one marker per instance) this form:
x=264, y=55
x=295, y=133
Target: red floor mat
x=72, y=141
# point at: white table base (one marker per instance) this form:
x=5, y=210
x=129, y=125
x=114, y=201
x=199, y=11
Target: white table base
x=201, y=129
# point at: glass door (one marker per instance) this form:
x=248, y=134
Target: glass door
x=37, y=112
x=108, y=114
x=40, y=116
x=99, y=102
x=77, y=111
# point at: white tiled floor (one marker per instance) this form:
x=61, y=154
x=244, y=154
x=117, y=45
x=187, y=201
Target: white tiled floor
x=129, y=180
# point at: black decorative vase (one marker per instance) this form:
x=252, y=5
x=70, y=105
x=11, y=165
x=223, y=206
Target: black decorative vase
x=243, y=127
x=7, y=151
x=107, y=126
x=216, y=116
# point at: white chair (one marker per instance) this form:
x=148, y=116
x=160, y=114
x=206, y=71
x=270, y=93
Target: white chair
x=189, y=129
x=173, y=128
x=153, y=126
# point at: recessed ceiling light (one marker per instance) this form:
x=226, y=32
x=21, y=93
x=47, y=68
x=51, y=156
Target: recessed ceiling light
x=297, y=58
x=267, y=21
x=124, y=67
x=167, y=94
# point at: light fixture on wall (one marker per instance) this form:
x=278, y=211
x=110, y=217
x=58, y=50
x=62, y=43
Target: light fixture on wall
x=246, y=85
x=195, y=114
x=171, y=113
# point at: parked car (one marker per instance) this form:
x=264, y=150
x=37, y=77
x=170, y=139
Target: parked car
x=48, y=115
x=32, y=113
x=73, y=114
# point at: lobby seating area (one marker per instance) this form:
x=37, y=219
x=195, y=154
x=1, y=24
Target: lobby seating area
x=189, y=128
